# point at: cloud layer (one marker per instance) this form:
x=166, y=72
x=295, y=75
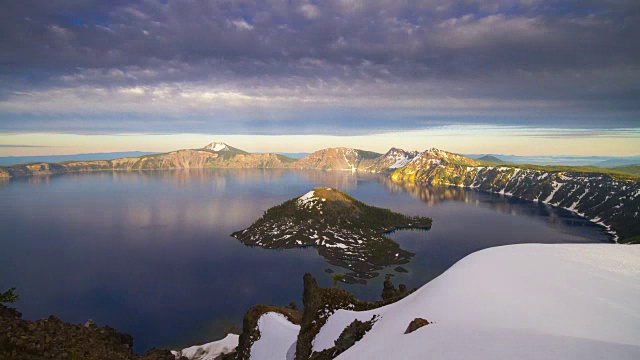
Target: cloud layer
x=338, y=66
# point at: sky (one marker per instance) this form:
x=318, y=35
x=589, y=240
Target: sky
x=524, y=77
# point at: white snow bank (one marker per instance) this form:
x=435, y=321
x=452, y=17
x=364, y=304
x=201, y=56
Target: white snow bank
x=528, y=301
x=210, y=350
x=277, y=338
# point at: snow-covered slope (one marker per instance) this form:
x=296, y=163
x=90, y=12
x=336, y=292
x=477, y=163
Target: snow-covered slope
x=216, y=146
x=224, y=148
x=514, y=302
x=210, y=350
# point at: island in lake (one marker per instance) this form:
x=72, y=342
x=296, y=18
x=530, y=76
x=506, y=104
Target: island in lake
x=347, y=232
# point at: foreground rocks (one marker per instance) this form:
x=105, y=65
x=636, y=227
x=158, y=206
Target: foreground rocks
x=320, y=304
x=52, y=338
x=416, y=324
x=349, y=337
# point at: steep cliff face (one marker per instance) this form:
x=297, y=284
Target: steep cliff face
x=335, y=159
x=604, y=199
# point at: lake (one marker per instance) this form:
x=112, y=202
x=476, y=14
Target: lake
x=149, y=253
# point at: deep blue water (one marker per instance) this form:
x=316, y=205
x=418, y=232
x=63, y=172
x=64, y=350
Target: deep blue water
x=149, y=253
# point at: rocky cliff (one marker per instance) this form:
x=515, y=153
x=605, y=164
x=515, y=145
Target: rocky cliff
x=608, y=200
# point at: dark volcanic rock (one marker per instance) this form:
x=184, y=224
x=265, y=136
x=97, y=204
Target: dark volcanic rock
x=328, y=271
x=390, y=292
x=55, y=339
x=416, y=324
x=348, y=279
x=353, y=333
x=401, y=269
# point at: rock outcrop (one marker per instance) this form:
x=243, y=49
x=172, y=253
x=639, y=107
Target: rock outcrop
x=416, y=324
x=353, y=333
x=390, y=292
x=320, y=304
x=52, y=338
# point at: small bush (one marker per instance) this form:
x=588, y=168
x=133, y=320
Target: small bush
x=9, y=296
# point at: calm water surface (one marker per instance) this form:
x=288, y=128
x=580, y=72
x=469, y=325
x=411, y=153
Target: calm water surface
x=150, y=254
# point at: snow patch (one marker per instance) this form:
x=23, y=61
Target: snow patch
x=277, y=338
x=306, y=198
x=210, y=350
x=556, y=187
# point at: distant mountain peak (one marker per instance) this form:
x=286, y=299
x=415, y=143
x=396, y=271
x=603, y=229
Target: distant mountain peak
x=217, y=146
x=222, y=147
x=492, y=159
x=397, y=158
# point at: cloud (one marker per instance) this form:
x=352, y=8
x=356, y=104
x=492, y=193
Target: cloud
x=309, y=11
x=242, y=25
x=496, y=61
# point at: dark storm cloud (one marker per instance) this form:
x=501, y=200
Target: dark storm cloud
x=529, y=61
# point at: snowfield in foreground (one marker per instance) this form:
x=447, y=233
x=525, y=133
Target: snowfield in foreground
x=528, y=301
